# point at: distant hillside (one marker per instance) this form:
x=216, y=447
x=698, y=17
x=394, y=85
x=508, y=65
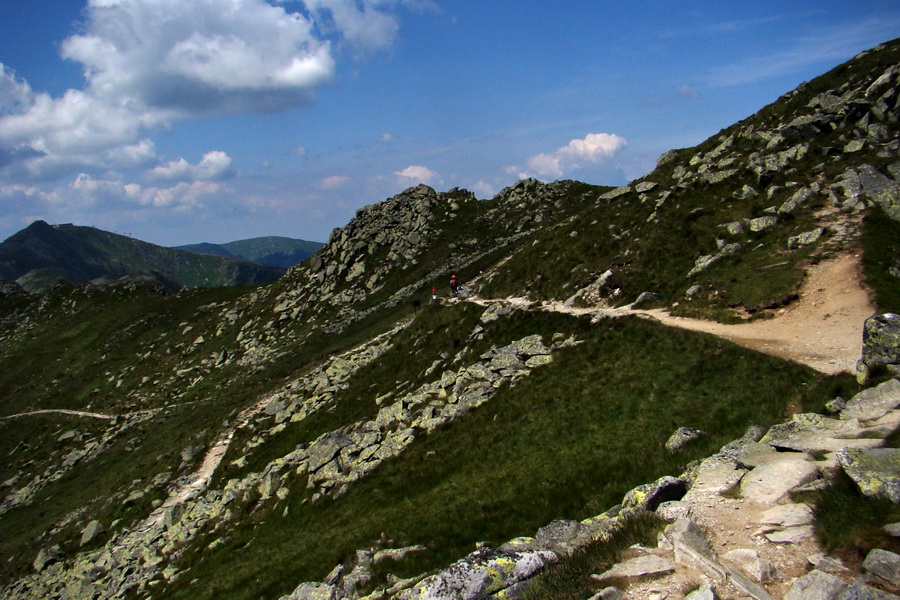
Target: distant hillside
x=274, y=251
x=43, y=255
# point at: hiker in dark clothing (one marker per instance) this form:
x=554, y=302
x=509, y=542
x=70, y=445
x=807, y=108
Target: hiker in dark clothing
x=454, y=285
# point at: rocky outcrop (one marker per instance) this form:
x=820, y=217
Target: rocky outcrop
x=881, y=344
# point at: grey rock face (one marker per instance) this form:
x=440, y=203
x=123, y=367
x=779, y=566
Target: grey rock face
x=816, y=585
x=876, y=471
x=638, y=566
x=480, y=574
x=883, y=564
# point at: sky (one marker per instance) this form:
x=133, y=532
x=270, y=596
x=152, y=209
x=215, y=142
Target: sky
x=187, y=121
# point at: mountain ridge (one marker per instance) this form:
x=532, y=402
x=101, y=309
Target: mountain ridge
x=274, y=251
x=348, y=416
x=42, y=255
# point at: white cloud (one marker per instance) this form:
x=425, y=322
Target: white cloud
x=86, y=191
x=334, y=182
x=419, y=174
x=150, y=63
x=593, y=148
x=213, y=165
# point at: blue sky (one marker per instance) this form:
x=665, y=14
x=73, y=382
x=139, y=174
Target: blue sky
x=215, y=120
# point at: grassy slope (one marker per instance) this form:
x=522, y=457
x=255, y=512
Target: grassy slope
x=567, y=442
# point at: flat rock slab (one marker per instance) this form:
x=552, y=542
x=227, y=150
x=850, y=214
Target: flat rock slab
x=788, y=515
x=638, y=567
x=791, y=535
x=715, y=477
x=876, y=471
x=772, y=481
x=873, y=403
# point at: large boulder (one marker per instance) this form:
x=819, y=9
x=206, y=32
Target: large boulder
x=881, y=341
x=876, y=471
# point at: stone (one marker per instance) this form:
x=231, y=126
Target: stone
x=773, y=480
x=734, y=228
x=706, y=591
x=892, y=529
x=826, y=563
x=609, y=593
x=313, y=591
x=860, y=591
x=682, y=437
x=751, y=564
x=479, y=574
x=645, y=186
x=793, y=203
x=638, y=566
x=788, y=515
x=90, y=533
x=876, y=471
x=665, y=157
x=883, y=564
x=692, y=549
x=703, y=263
x=881, y=340
x=816, y=585
x=807, y=238
x=763, y=223
x=45, y=557
x=873, y=403
x=791, y=535
x=645, y=298
x=616, y=193
x=650, y=495
x=563, y=537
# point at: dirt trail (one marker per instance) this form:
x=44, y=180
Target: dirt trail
x=822, y=329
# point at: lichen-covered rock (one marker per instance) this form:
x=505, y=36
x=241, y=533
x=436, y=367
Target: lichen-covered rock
x=682, y=437
x=806, y=238
x=563, y=537
x=480, y=574
x=881, y=340
x=876, y=471
x=816, y=585
x=650, y=495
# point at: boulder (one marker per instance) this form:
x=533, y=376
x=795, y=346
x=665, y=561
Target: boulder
x=616, y=193
x=650, y=495
x=563, y=537
x=881, y=340
x=883, y=564
x=751, y=564
x=692, y=549
x=706, y=591
x=876, y=471
x=313, y=591
x=46, y=556
x=873, y=403
x=807, y=238
x=763, y=223
x=773, y=480
x=816, y=585
x=90, y=533
x=682, y=437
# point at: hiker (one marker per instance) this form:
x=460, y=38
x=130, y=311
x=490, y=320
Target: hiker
x=454, y=285
x=434, y=292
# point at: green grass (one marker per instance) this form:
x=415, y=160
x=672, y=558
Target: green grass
x=849, y=524
x=881, y=265
x=567, y=442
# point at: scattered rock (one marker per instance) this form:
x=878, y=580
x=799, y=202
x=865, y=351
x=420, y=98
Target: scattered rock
x=816, y=585
x=883, y=564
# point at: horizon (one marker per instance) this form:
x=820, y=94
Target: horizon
x=283, y=118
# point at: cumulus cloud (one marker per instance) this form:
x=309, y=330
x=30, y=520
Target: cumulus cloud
x=334, y=182
x=213, y=165
x=593, y=148
x=417, y=174
x=86, y=190
x=150, y=63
